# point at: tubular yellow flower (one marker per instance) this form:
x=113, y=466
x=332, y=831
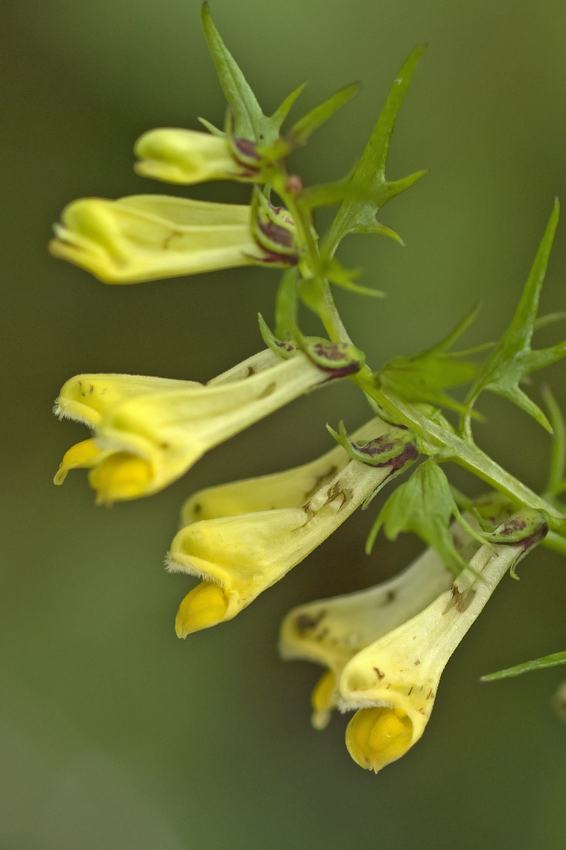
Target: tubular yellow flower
x=187, y=157
x=86, y=398
x=150, y=431
x=148, y=237
x=331, y=631
x=247, y=535
x=393, y=682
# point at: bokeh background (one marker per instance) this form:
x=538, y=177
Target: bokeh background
x=114, y=734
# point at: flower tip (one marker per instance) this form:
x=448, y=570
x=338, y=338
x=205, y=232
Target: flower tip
x=121, y=476
x=377, y=736
x=204, y=606
x=322, y=700
x=83, y=455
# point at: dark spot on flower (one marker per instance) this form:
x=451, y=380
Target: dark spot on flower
x=270, y=388
x=380, y=675
x=319, y=479
x=417, y=662
x=168, y=239
x=390, y=596
x=305, y=622
x=164, y=445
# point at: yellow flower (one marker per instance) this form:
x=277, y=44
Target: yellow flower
x=243, y=537
x=189, y=156
x=149, y=431
x=148, y=237
x=331, y=631
x=393, y=682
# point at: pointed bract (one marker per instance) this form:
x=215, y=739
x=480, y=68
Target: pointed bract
x=513, y=359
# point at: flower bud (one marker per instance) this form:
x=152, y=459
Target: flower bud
x=187, y=157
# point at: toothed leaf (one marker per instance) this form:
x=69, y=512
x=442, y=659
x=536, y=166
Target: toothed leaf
x=282, y=111
x=424, y=505
x=358, y=216
x=513, y=359
x=424, y=377
x=249, y=121
x=305, y=127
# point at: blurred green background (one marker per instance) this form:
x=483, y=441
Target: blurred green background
x=114, y=734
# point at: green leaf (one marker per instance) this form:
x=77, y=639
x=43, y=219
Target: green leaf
x=355, y=216
x=335, y=272
x=424, y=505
x=211, y=128
x=286, y=306
x=249, y=120
x=513, y=359
x=424, y=377
x=305, y=127
x=327, y=194
x=554, y=660
x=282, y=111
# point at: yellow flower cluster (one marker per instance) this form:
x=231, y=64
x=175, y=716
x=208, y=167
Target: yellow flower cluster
x=384, y=649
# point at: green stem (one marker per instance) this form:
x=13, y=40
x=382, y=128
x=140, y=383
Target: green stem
x=465, y=454
x=450, y=446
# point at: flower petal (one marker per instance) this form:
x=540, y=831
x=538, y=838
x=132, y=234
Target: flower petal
x=185, y=156
x=147, y=237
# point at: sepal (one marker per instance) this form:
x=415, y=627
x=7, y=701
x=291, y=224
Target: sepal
x=396, y=448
